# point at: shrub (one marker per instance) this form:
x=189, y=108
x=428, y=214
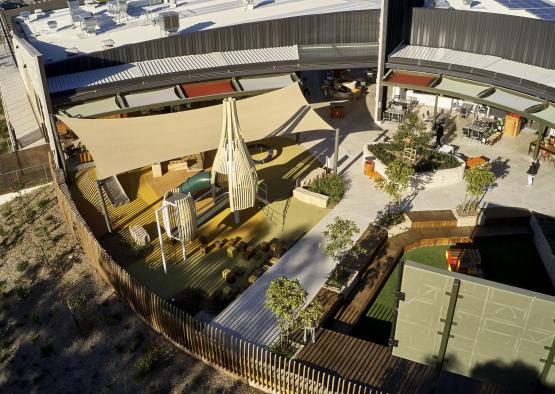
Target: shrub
x=2, y=231
x=77, y=302
x=389, y=218
x=22, y=291
x=42, y=203
x=283, y=349
x=151, y=360
x=332, y=185
x=21, y=266
x=191, y=300
x=34, y=337
x=7, y=210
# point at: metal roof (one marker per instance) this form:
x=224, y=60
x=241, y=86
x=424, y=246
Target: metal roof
x=93, y=108
x=264, y=83
x=489, y=63
x=151, y=97
x=155, y=67
x=547, y=114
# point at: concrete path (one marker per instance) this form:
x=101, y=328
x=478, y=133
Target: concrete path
x=247, y=317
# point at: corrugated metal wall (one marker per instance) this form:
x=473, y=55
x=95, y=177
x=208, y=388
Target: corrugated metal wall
x=524, y=40
x=332, y=28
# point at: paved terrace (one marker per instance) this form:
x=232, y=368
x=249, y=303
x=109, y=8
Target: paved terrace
x=247, y=317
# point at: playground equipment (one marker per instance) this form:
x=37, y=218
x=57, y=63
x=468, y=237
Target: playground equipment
x=233, y=167
x=464, y=260
x=233, y=159
x=178, y=217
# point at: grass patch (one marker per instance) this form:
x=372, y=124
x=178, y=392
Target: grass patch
x=433, y=256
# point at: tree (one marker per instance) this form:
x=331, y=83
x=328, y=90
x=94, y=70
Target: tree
x=339, y=243
x=398, y=174
x=412, y=131
x=285, y=298
x=478, y=181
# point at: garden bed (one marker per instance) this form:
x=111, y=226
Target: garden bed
x=434, y=169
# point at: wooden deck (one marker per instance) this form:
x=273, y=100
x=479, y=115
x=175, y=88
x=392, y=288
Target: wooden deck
x=374, y=365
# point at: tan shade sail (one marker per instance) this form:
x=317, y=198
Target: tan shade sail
x=121, y=145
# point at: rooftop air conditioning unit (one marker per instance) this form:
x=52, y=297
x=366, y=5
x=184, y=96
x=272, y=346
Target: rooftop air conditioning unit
x=88, y=25
x=169, y=21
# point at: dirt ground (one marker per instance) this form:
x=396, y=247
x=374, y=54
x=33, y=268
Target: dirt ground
x=64, y=330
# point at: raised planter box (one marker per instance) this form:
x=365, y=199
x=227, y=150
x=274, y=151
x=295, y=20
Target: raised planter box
x=470, y=220
x=450, y=176
x=349, y=283
x=310, y=197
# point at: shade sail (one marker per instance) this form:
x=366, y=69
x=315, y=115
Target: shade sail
x=151, y=97
x=121, y=145
x=208, y=88
x=93, y=108
x=263, y=83
x=405, y=78
x=511, y=100
x=460, y=87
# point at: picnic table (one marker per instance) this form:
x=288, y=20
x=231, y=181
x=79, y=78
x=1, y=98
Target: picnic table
x=392, y=113
x=475, y=132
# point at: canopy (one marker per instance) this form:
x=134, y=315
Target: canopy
x=548, y=115
x=263, y=83
x=121, y=145
x=511, y=100
x=208, y=88
x=151, y=97
x=406, y=78
x=458, y=86
x=93, y=108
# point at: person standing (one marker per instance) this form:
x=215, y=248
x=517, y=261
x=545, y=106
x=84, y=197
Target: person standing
x=533, y=171
x=439, y=135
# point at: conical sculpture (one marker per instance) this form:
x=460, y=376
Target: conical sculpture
x=233, y=160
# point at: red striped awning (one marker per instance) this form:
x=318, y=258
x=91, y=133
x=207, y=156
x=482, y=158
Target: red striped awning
x=405, y=78
x=208, y=88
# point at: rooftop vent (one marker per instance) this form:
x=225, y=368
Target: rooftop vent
x=88, y=25
x=169, y=21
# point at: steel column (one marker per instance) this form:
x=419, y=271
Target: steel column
x=336, y=151
x=103, y=206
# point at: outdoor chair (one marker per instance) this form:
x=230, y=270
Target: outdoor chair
x=476, y=135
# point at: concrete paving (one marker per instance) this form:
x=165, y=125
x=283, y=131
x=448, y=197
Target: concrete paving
x=247, y=317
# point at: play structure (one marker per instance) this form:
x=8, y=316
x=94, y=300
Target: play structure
x=232, y=182
x=465, y=260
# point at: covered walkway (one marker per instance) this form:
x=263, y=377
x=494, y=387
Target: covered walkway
x=17, y=107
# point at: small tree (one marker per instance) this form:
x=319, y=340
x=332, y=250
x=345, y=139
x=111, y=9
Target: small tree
x=412, y=131
x=339, y=243
x=398, y=174
x=478, y=181
x=310, y=317
x=285, y=298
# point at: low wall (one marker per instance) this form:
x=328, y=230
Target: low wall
x=543, y=248
x=311, y=198
x=446, y=177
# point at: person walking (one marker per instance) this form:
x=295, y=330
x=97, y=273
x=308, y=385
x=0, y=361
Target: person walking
x=533, y=171
x=439, y=135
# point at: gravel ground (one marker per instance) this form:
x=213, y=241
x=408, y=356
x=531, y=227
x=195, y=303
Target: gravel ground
x=64, y=330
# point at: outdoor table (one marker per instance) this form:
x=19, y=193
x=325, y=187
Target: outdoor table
x=476, y=161
x=475, y=131
x=449, y=149
x=544, y=147
x=398, y=114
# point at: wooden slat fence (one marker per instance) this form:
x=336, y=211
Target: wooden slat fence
x=235, y=356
